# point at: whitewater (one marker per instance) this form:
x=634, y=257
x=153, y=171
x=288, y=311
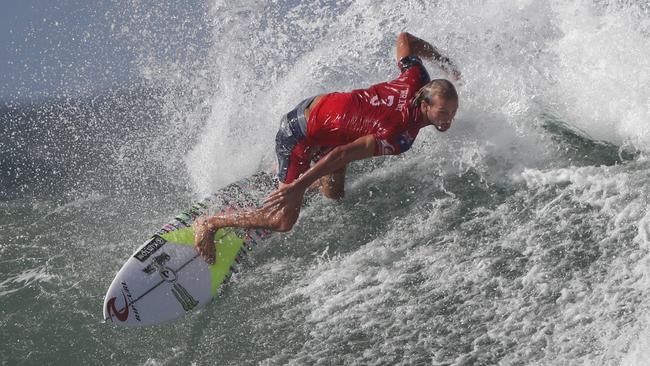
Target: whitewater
x=521, y=236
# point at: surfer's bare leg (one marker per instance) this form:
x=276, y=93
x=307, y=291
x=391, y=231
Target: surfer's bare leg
x=282, y=207
x=272, y=217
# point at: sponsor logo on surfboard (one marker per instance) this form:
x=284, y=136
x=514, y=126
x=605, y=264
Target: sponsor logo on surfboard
x=149, y=269
x=157, y=262
x=122, y=314
x=187, y=301
x=169, y=275
x=151, y=247
x=125, y=289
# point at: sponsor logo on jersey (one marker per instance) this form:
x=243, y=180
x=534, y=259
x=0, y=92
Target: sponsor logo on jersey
x=151, y=247
x=385, y=147
x=376, y=101
x=403, y=94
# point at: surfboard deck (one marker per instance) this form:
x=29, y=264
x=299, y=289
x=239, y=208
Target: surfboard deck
x=165, y=278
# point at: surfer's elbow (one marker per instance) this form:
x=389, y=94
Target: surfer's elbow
x=342, y=155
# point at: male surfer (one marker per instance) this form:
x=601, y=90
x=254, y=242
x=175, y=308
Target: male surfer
x=338, y=128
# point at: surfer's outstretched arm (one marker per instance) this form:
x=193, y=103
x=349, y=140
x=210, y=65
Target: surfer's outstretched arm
x=336, y=160
x=281, y=208
x=408, y=44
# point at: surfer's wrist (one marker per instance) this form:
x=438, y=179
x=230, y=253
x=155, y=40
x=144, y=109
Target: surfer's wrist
x=211, y=224
x=299, y=184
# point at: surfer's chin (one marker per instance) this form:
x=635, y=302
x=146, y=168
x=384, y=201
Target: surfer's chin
x=442, y=128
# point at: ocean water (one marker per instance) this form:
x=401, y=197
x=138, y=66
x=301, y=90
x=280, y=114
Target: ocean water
x=519, y=237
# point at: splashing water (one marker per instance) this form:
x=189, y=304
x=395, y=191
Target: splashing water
x=520, y=236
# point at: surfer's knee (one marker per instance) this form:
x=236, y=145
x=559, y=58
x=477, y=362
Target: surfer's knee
x=333, y=185
x=333, y=195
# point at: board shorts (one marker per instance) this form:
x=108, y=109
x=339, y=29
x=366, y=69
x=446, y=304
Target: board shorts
x=294, y=154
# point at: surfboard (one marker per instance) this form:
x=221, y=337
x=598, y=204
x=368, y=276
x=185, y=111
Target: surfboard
x=165, y=278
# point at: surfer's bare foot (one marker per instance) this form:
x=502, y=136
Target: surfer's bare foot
x=204, y=239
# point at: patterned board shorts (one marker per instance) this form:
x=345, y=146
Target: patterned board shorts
x=290, y=143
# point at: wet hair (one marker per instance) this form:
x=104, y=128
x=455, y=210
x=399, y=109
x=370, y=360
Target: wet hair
x=440, y=87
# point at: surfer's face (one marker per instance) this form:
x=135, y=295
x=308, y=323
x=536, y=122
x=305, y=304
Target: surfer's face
x=440, y=112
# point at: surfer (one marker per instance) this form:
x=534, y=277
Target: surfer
x=335, y=129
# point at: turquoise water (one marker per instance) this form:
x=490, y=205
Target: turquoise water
x=519, y=237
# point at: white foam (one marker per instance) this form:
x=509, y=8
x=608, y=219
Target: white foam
x=602, y=71
x=531, y=277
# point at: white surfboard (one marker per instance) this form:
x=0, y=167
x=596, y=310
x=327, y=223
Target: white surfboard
x=165, y=277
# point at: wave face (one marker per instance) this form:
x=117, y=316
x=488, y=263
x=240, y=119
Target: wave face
x=520, y=236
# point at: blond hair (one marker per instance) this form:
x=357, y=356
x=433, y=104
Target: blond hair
x=440, y=87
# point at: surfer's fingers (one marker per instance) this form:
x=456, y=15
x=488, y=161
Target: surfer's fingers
x=209, y=258
x=273, y=196
x=272, y=202
x=205, y=252
x=279, y=193
x=199, y=247
x=274, y=207
x=202, y=240
x=209, y=250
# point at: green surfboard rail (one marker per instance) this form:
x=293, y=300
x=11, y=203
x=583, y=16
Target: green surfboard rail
x=227, y=247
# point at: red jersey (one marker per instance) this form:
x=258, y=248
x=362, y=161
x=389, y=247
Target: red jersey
x=383, y=110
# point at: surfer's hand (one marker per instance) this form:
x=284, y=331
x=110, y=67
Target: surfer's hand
x=288, y=195
x=204, y=239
